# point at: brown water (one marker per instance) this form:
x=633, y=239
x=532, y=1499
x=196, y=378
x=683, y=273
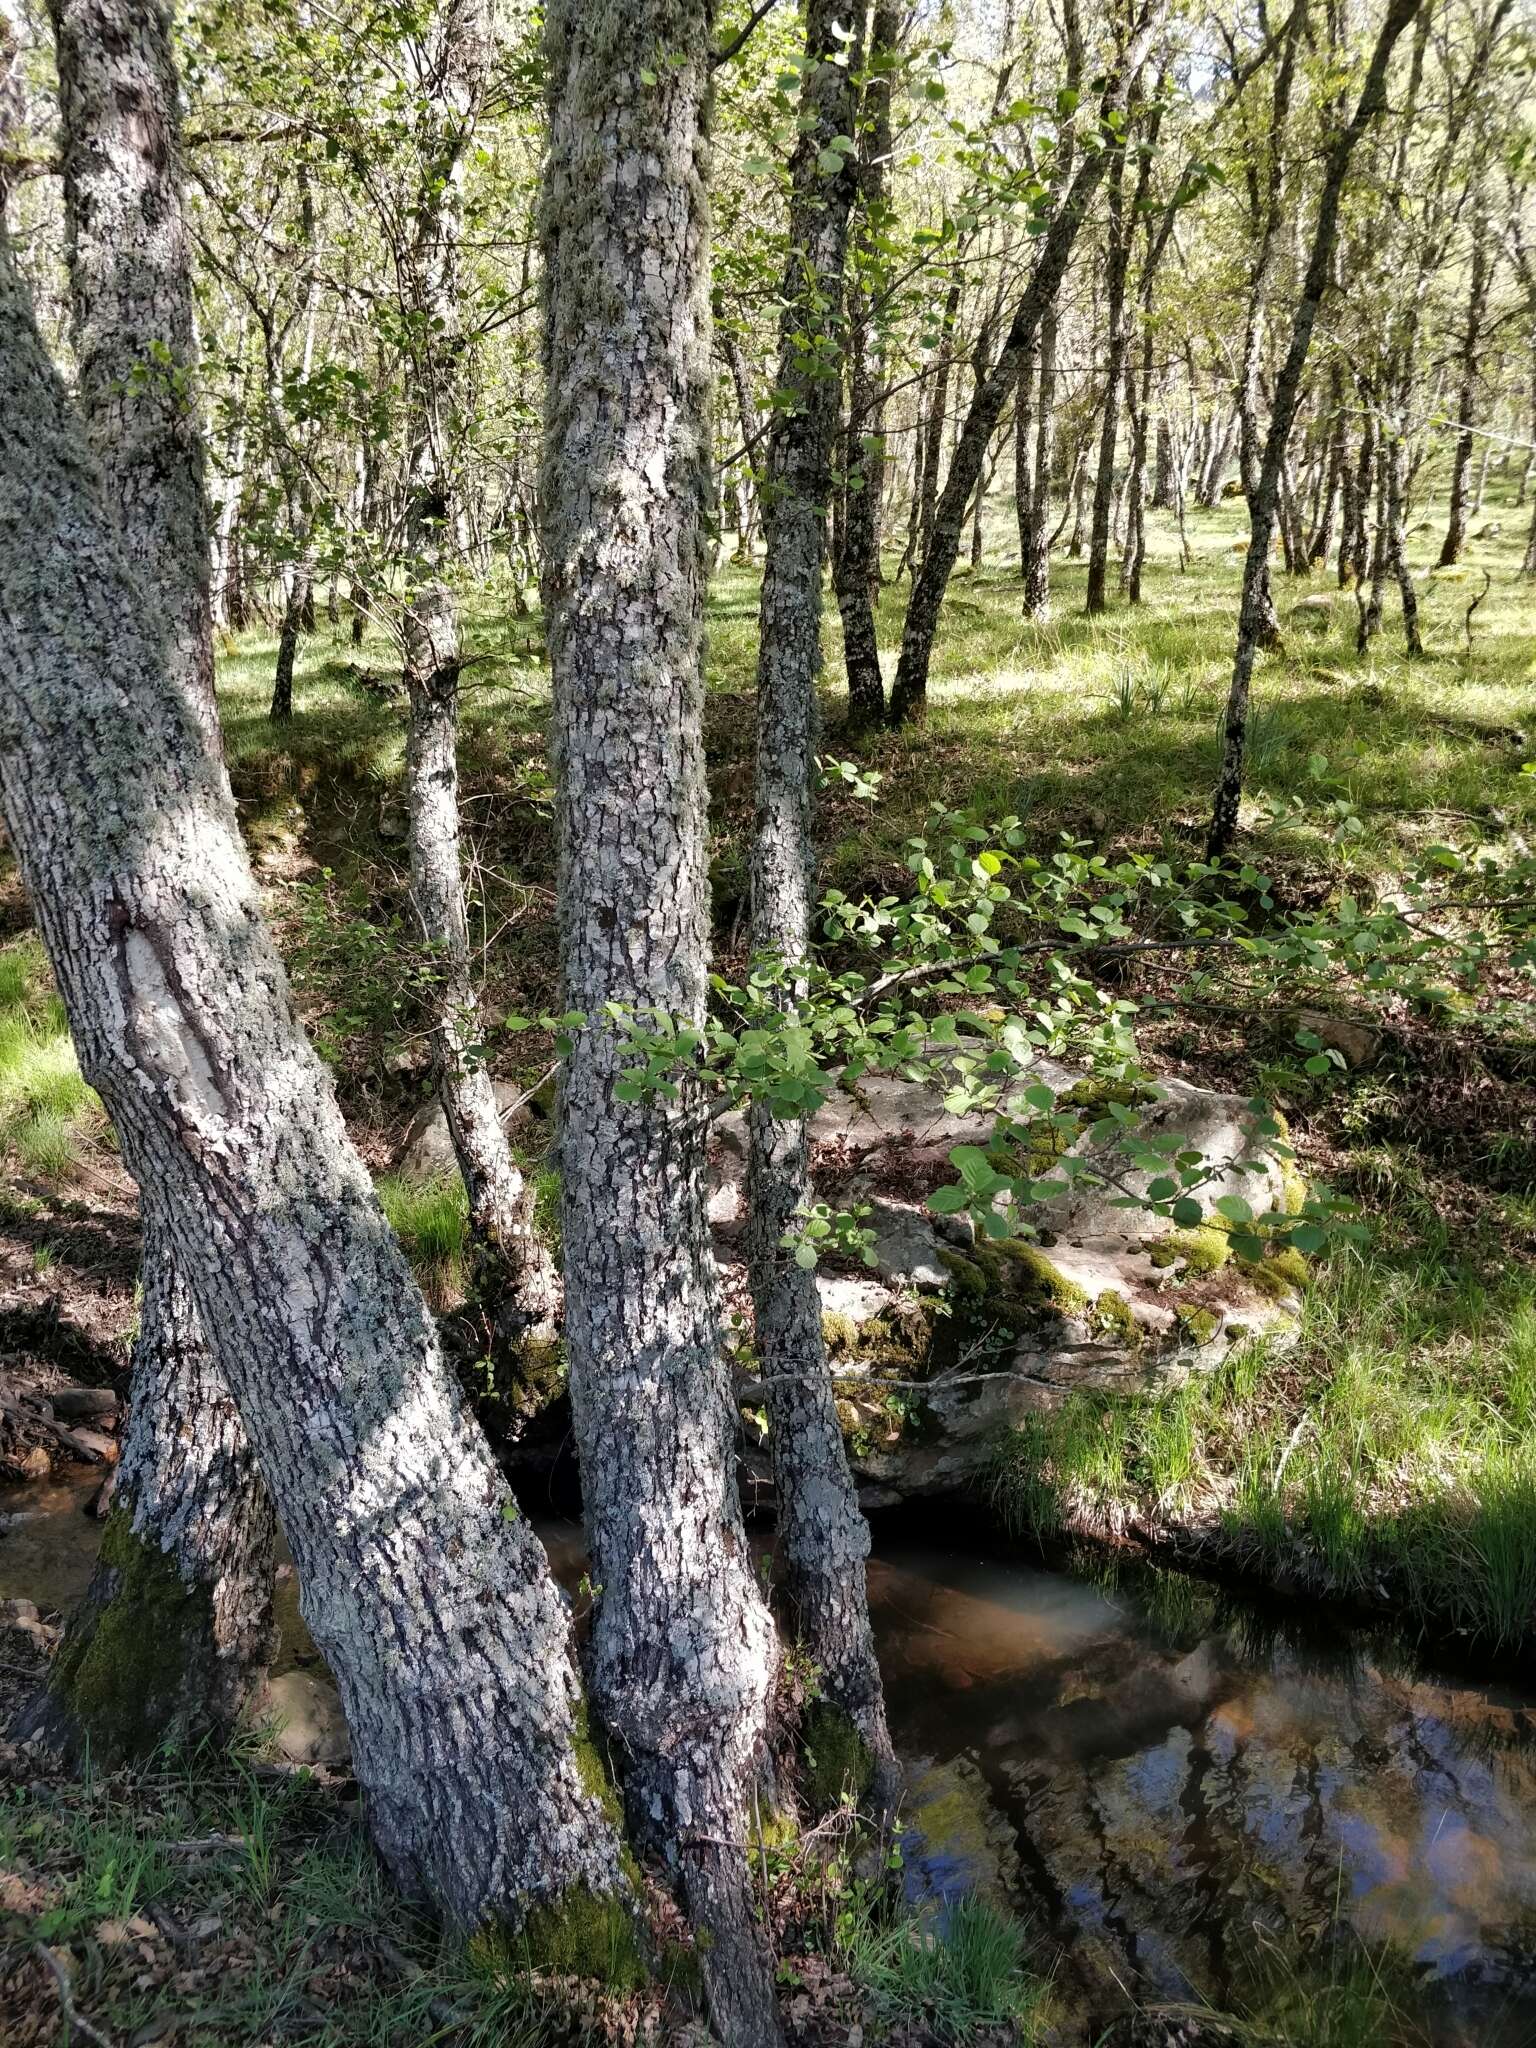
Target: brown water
x=1162, y=1777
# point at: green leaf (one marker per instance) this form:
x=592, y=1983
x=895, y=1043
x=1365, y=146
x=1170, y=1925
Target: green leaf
x=949, y=1201
x=1234, y=1208
x=1186, y=1213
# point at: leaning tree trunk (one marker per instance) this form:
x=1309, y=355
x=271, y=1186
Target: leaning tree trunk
x=858, y=564
x=1255, y=610
x=513, y=1278
x=188, y=1490
x=1035, y=544
x=1484, y=249
x=910, y=690
x=430, y=1599
x=683, y=1650
x=823, y=1538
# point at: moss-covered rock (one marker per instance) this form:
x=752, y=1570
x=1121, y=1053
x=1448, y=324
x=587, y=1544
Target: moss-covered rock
x=1026, y=1274
x=1280, y=1274
x=1113, y=1314
x=899, y=1339
x=1199, y=1325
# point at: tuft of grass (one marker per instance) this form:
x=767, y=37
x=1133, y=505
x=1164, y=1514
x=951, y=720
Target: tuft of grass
x=431, y=1220
x=48, y=1115
x=1351, y=1998
x=972, y=1972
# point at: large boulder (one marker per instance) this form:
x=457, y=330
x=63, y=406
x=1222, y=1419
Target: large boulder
x=946, y=1340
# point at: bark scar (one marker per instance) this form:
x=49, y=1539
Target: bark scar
x=161, y=1019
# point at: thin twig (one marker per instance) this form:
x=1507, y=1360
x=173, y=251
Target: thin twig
x=74, y=2022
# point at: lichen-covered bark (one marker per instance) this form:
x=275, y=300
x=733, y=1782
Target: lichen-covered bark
x=1116, y=342
x=513, y=1277
x=683, y=1649
x=430, y=1600
x=188, y=1487
x=823, y=1539
x=1255, y=609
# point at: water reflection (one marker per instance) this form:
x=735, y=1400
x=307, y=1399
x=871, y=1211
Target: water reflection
x=1179, y=1773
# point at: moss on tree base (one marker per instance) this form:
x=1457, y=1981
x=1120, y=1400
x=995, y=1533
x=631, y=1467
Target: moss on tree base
x=834, y=1759
x=580, y=1933
x=138, y=1658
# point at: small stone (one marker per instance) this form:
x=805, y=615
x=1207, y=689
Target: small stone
x=89, y=1446
x=75, y=1404
x=18, y=1613
x=32, y=1464
x=1359, y=1043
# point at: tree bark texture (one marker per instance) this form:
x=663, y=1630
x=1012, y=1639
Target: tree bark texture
x=1035, y=545
x=683, y=1649
x=909, y=693
x=189, y=1491
x=1255, y=606
x=431, y=1602
x=823, y=1538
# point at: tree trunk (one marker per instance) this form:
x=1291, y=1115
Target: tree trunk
x=513, y=1277
x=858, y=568
x=296, y=596
x=823, y=1537
x=1252, y=618
x=1163, y=471
x=683, y=1650
x=430, y=1600
x=1116, y=264
x=746, y=413
x=909, y=693
x=1208, y=494
x=1484, y=250
x=189, y=1493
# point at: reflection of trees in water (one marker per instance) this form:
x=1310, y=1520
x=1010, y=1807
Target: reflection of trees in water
x=1214, y=1770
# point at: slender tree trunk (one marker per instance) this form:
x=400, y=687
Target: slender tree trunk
x=1208, y=496
x=746, y=413
x=1484, y=251
x=1320, y=544
x=1024, y=451
x=1252, y=619
x=858, y=568
x=1163, y=471
x=188, y=1491
x=1116, y=263
x=430, y=1600
x=1035, y=548
x=513, y=1277
x=909, y=693
x=934, y=425
x=683, y=1649
x=823, y=1537
x=298, y=586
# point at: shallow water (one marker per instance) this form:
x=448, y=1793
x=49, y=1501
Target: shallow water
x=1162, y=1777
x=1176, y=1784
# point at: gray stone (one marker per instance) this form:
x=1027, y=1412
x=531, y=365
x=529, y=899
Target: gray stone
x=426, y=1152
x=72, y=1404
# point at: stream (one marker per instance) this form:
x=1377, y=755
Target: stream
x=1163, y=1778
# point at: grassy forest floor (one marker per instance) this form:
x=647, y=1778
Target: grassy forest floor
x=1389, y=1458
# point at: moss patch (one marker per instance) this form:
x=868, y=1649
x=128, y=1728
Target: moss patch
x=834, y=1758
x=1025, y=1273
x=1202, y=1250
x=582, y=1933
x=126, y=1674
x=897, y=1340
x=1197, y=1324
x=1116, y=1318
x=1282, y=1273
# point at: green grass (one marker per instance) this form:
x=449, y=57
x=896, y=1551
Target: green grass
x=431, y=1220
x=1390, y=1460
x=1292, y=1996
x=49, y=1118
x=972, y=1972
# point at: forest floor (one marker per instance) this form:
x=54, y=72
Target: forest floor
x=1389, y=1458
